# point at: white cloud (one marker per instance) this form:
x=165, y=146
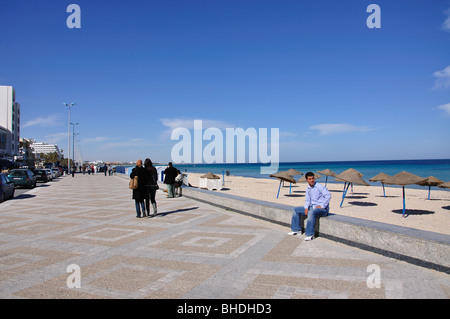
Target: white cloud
x=445, y=108
x=189, y=123
x=50, y=120
x=442, y=78
x=287, y=134
x=131, y=143
x=446, y=24
x=338, y=128
x=175, y=123
x=55, y=138
x=94, y=140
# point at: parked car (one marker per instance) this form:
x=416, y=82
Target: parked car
x=49, y=174
x=23, y=177
x=55, y=172
x=6, y=188
x=41, y=175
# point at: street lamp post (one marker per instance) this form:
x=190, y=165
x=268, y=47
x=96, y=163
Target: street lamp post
x=68, y=136
x=73, y=142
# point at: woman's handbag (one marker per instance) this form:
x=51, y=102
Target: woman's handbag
x=133, y=183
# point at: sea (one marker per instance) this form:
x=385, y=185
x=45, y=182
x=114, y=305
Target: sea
x=439, y=168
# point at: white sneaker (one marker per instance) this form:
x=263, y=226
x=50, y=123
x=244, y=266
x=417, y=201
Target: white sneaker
x=309, y=238
x=293, y=233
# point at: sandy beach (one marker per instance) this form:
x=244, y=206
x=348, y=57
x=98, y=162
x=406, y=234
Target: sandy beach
x=366, y=202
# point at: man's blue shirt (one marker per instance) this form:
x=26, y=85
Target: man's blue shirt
x=317, y=195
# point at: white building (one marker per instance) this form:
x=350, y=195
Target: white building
x=10, y=118
x=5, y=143
x=39, y=148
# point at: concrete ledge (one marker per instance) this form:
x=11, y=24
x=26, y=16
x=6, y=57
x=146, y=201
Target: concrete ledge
x=423, y=248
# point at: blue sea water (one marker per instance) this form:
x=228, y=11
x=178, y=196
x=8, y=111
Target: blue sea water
x=439, y=168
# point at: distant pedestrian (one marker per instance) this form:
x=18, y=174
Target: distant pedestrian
x=152, y=187
x=139, y=193
x=169, y=179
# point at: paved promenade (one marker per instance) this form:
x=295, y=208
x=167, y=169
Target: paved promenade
x=190, y=250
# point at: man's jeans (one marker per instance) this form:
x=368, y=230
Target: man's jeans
x=313, y=214
x=171, y=190
x=139, y=205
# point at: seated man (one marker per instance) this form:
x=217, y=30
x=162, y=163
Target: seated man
x=317, y=201
x=178, y=184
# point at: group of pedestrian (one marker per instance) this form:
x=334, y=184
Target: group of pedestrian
x=174, y=181
x=317, y=197
x=107, y=169
x=88, y=169
x=145, y=193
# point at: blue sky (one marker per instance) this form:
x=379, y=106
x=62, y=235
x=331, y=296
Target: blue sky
x=336, y=89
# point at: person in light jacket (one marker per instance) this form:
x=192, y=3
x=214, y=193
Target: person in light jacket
x=179, y=184
x=317, y=200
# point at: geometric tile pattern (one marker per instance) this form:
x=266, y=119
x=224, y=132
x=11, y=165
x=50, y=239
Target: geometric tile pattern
x=189, y=250
x=127, y=277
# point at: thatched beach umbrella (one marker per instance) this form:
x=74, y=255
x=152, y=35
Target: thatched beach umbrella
x=430, y=181
x=283, y=176
x=403, y=179
x=210, y=176
x=382, y=177
x=350, y=176
x=445, y=185
x=327, y=173
x=292, y=172
x=303, y=178
x=352, y=171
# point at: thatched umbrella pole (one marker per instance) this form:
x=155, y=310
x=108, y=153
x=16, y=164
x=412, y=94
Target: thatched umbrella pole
x=403, y=179
x=430, y=181
x=327, y=173
x=382, y=177
x=350, y=176
x=283, y=176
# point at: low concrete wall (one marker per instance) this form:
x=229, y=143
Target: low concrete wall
x=423, y=248
x=427, y=249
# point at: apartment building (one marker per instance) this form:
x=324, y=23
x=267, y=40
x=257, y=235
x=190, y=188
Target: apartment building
x=9, y=121
x=39, y=148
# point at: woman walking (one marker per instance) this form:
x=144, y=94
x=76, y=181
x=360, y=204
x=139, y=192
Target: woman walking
x=152, y=186
x=139, y=194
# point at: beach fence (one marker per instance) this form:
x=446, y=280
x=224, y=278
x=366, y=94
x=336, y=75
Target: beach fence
x=120, y=169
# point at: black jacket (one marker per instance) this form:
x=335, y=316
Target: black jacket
x=152, y=175
x=169, y=175
x=141, y=173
